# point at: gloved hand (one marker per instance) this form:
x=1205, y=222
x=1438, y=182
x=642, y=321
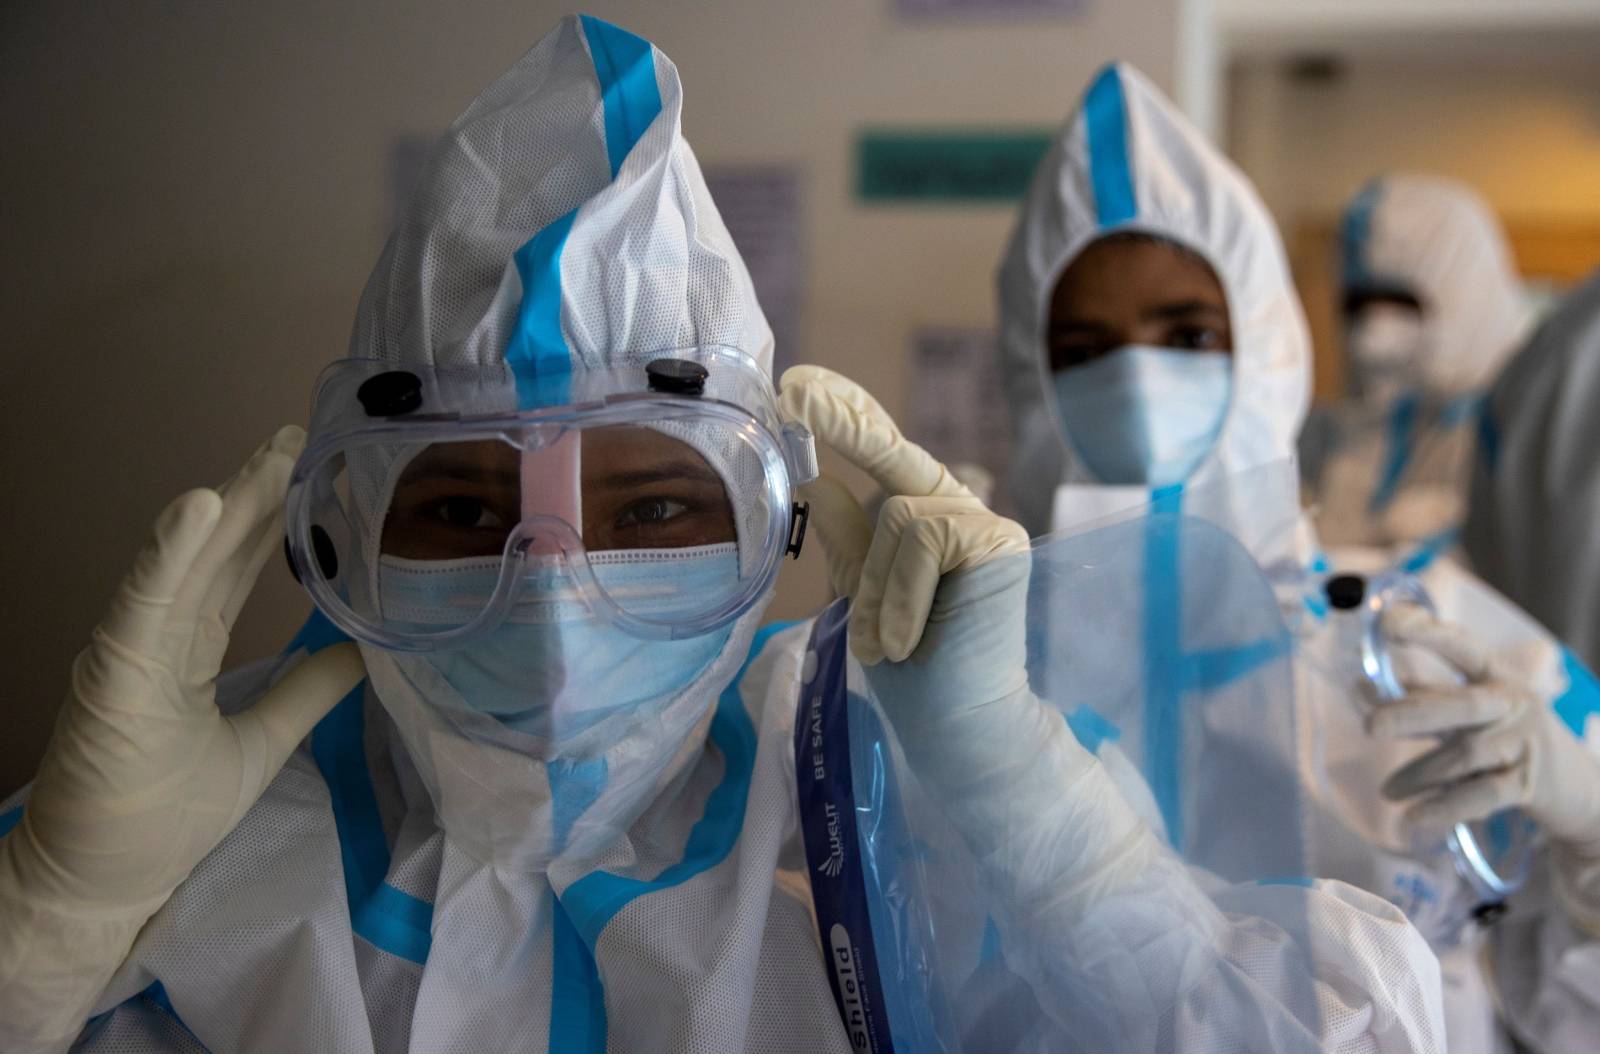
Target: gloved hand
x=1503, y=747
x=929, y=525
x=940, y=592
x=144, y=775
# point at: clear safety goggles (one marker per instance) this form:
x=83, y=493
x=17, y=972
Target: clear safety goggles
x=434, y=504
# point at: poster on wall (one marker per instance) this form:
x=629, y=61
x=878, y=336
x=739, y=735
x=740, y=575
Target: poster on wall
x=958, y=410
x=976, y=167
x=761, y=206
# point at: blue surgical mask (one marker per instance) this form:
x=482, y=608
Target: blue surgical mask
x=1144, y=415
x=552, y=668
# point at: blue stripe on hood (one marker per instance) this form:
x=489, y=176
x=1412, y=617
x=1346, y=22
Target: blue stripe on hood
x=537, y=353
x=1356, y=234
x=1105, y=114
x=626, y=67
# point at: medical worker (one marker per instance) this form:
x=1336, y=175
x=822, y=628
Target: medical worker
x=1530, y=532
x=552, y=806
x=1432, y=308
x=1156, y=355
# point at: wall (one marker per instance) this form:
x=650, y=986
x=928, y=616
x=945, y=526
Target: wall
x=1528, y=139
x=1520, y=121
x=194, y=194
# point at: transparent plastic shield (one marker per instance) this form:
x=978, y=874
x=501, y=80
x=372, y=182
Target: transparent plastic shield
x=1259, y=506
x=1162, y=642
x=1159, y=643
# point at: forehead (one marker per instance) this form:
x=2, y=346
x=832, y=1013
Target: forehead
x=1117, y=276
x=603, y=449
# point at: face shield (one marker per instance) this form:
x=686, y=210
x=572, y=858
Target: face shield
x=434, y=506
x=1158, y=642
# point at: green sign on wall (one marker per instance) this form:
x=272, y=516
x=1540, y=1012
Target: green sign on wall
x=947, y=166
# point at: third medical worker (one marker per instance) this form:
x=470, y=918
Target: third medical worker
x=1431, y=308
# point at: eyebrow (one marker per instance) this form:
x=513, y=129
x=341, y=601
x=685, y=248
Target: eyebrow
x=1076, y=325
x=463, y=472
x=683, y=470
x=1185, y=308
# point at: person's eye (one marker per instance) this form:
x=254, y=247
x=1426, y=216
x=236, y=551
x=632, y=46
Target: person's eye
x=1196, y=338
x=468, y=514
x=649, y=512
x=1065, y=354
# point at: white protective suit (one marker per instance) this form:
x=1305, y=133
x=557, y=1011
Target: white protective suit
x=1529, y=531
x=360, y=904
x=1128, y=162
x=1390, y=464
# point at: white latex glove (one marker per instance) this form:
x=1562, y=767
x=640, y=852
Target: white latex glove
x=940, y=591
x=1503, y=747
x=144, y=775
x=929, y=525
